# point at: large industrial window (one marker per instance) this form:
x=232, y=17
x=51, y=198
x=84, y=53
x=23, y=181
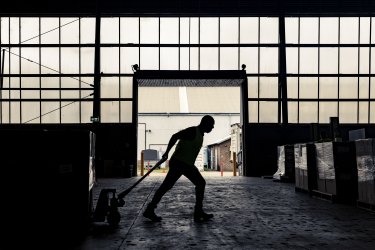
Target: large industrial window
x=48, y=64
x=329, y=64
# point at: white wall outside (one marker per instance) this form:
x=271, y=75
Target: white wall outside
x=163, y=126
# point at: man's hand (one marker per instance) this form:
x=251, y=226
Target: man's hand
x=165, y=156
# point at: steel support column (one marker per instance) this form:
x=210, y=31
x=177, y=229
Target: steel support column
x=244, y=122
x=283, y=96
x=96, y=106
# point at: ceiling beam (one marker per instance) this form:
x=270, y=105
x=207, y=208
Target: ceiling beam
x=189, y=8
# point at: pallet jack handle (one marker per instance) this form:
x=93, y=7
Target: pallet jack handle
x=124, y=193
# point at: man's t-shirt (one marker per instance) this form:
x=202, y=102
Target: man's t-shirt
x=189, y=145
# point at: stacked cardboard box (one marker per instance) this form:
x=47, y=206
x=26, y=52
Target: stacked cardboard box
x=365, y=153
x=337, y=170
x=305, y=166
x=285, y=164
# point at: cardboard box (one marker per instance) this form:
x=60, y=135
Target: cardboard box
x=365, y=156
x=52, y=174
x=285, y=164
x=305, y=166
x=336, y=166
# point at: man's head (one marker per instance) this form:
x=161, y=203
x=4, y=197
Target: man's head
x=207, y=123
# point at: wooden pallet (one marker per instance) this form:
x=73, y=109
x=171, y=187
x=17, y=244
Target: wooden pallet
x=366, y=206
x=267, y=177
x=284, y=180
x=301, y=190
x=323, y=196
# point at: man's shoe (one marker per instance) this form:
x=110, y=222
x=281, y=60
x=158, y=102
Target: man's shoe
x=202, y=216
x=149, y=213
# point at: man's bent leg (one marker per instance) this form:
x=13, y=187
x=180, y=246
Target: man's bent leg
x=172, y=176
x=193, y=174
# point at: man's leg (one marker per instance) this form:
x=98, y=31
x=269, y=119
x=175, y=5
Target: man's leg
x=172, y=176
x=193, y=174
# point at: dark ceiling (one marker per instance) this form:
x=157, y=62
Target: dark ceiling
x=188, y=7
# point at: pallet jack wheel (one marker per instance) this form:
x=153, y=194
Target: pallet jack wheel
x=113, y=218
x=110, y=211
x=113, y=215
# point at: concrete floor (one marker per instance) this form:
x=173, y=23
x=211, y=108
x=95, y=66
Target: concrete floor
x=250, y=213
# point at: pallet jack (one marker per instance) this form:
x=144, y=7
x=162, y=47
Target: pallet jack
x=108, y=204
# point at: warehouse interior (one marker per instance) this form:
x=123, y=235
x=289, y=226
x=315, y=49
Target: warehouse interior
x=70, y=75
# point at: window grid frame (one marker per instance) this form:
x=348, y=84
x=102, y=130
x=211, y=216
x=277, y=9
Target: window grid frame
x=178, y=45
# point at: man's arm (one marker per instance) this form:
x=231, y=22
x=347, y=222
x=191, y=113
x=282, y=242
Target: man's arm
x=186, y=134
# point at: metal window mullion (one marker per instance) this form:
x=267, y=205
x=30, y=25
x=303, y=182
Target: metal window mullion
x=282, y=71
x=130, y=75
x=2, y=72
x=49, y=89
x=159, y=42
x=258, y=68
x=323, y=45
x=9, y=70
x=321, y=75
x=325, y=99
x=369, y=79
x=239, y=39
x=279, y=83
x=358, y=66
x=318, y=113
x=224, y=45
x=60, y=85
x=135, y=82
x=179, y=43
x=199, y=42
x=298, y=67
x=97, y=74
x=189, y=39
x=119, y=68
x=139, y=42
x=2, y=78
x=20, y=67
x=79, y=71
x=40, y=71
x=218, y=39
x=338, y=70
x=53, y=100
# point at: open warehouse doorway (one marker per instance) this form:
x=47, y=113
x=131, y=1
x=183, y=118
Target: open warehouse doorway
x=165, y=89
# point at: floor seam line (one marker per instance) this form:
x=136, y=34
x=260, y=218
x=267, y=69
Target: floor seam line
x=140, y=210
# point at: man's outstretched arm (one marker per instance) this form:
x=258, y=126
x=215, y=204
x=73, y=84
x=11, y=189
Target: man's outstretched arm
x=186, y=134
x=171, y=142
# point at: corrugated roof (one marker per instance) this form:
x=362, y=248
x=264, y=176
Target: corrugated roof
x=189, y=82
x=220, y=141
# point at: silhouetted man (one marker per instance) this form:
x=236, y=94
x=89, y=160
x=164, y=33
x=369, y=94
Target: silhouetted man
x=182, y=163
